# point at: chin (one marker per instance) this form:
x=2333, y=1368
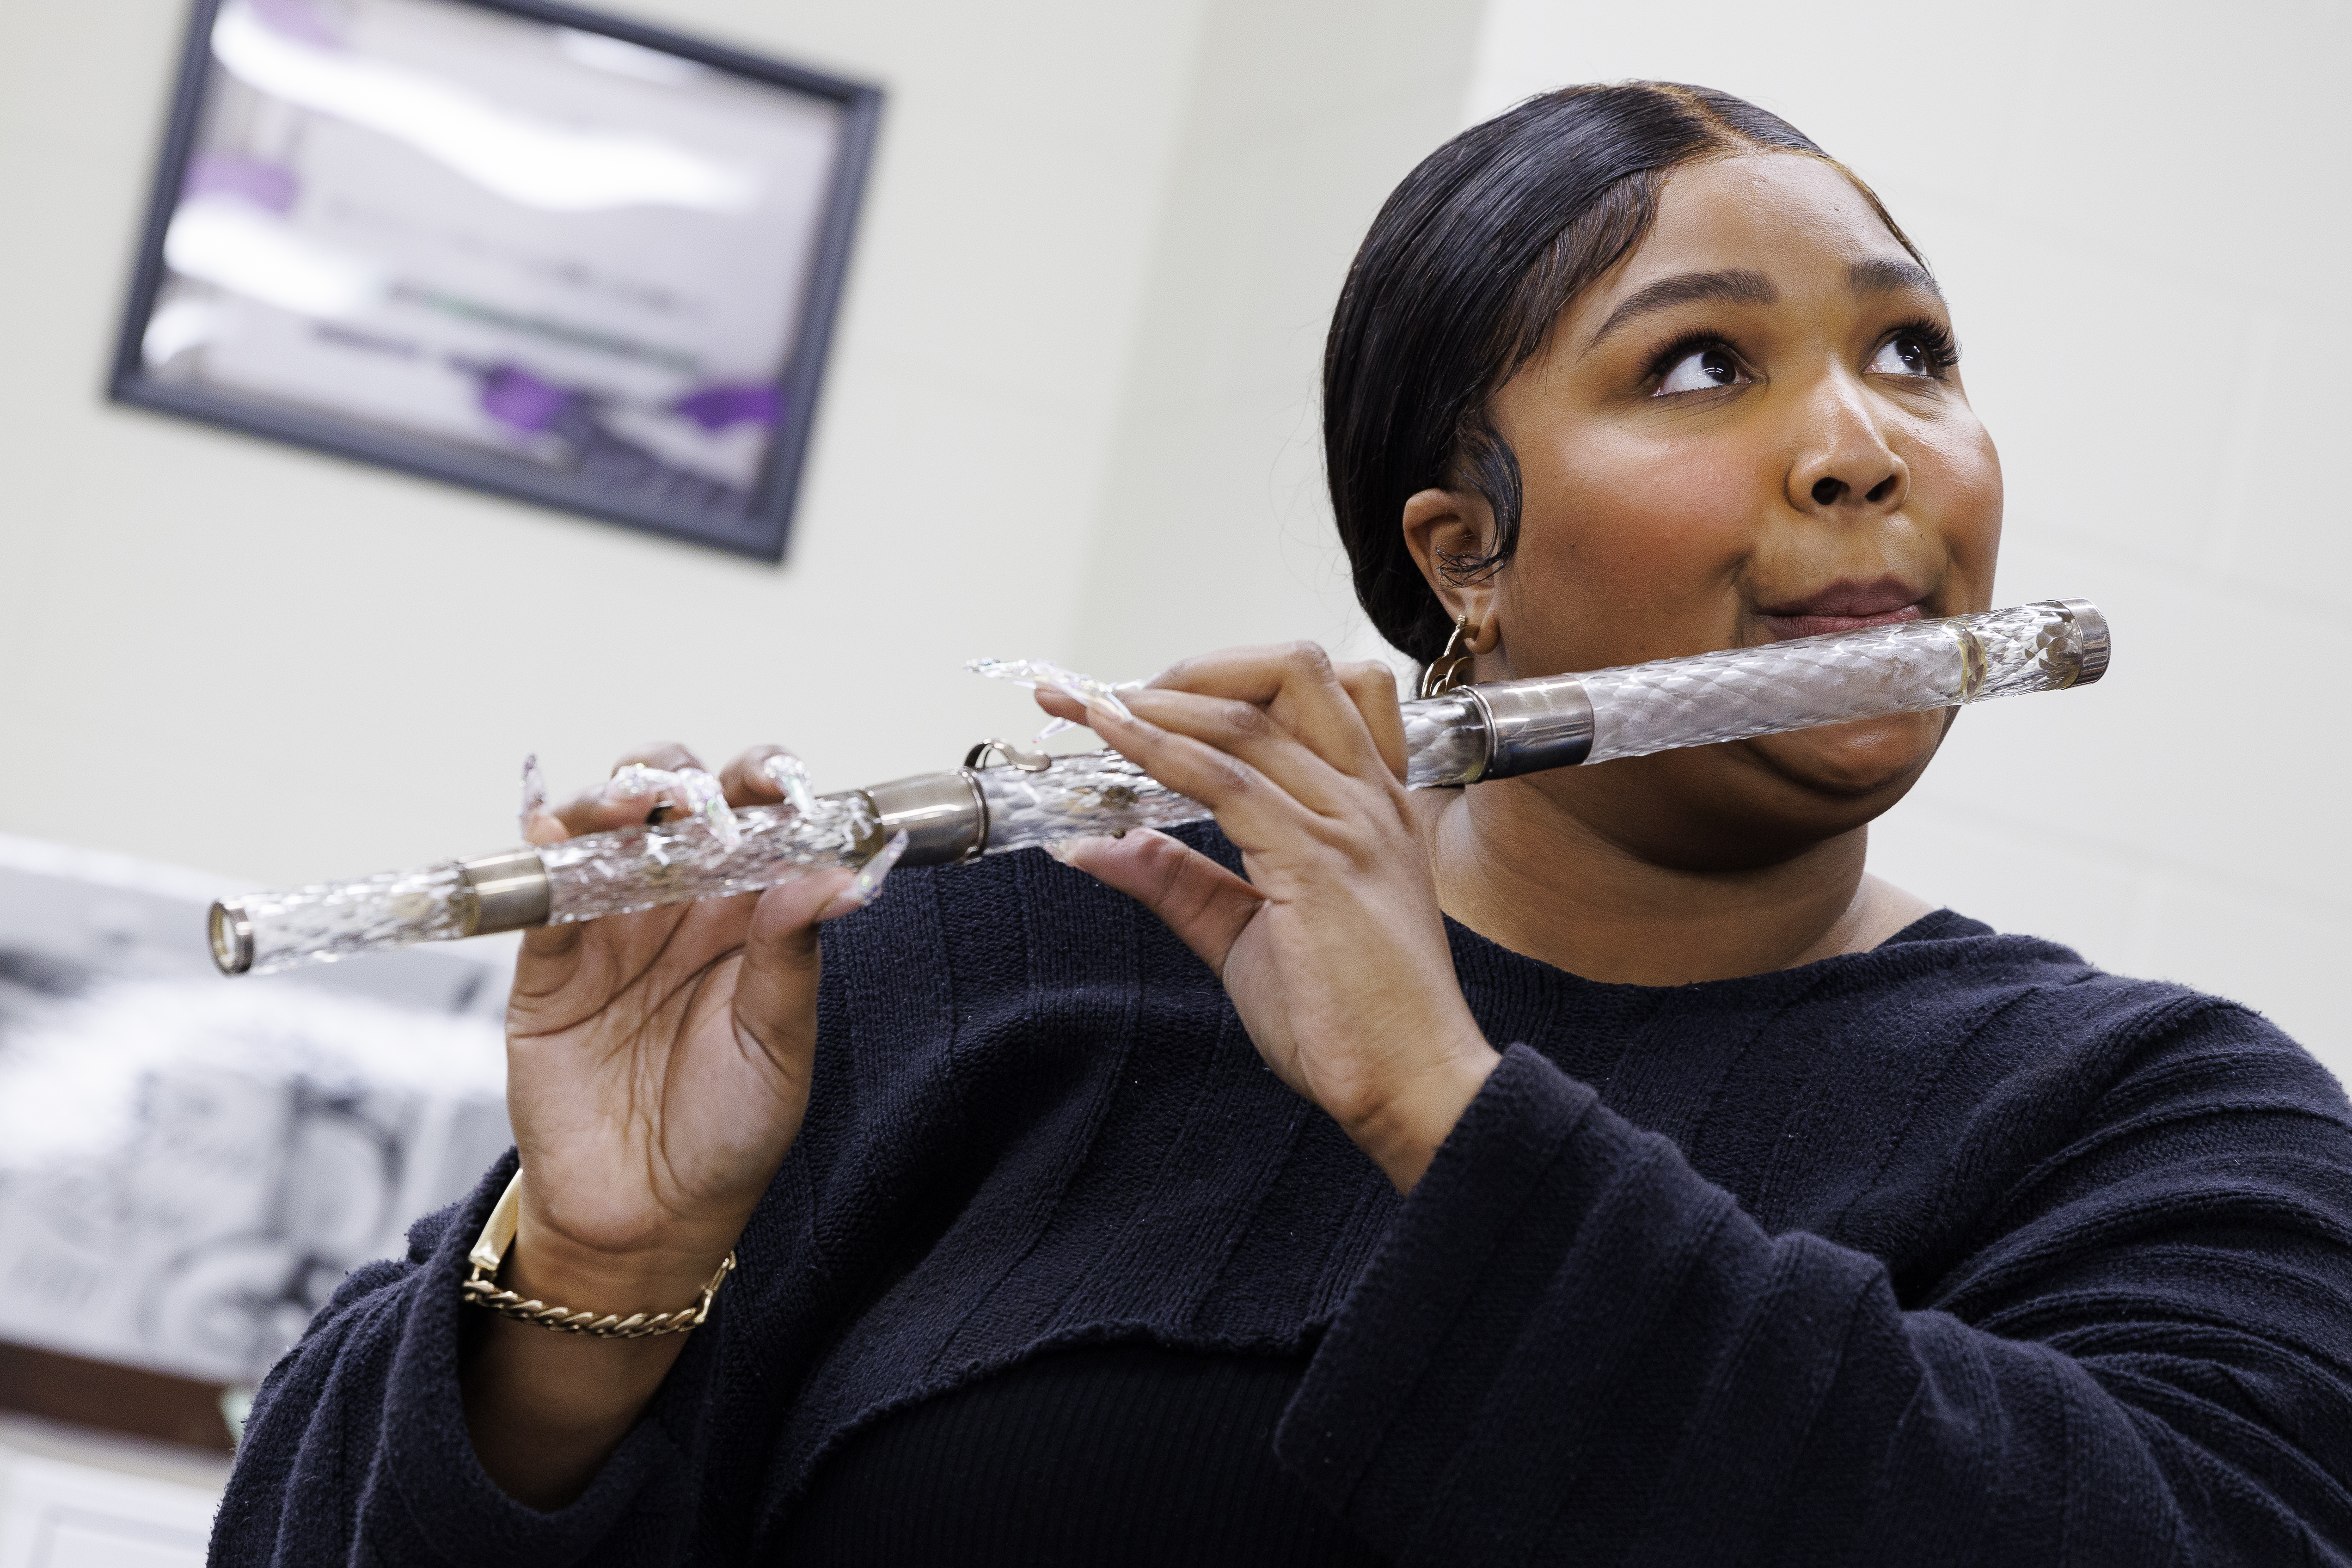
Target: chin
x=1749, y=804
x=1871, y=764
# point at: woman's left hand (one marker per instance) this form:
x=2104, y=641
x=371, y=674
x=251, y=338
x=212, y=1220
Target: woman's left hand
x=1334, y=951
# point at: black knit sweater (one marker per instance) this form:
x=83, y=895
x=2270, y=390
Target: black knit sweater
x=1959, y=1251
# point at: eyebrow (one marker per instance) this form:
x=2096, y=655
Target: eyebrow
x=1733, y=285
x=1744, y=286
x=1887, y=276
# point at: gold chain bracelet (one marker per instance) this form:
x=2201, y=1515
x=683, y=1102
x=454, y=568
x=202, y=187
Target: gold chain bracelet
x=481, y=1287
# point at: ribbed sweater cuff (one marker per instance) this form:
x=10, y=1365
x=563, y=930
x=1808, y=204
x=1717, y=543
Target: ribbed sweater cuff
x=1391, y=1400
x=428, y=1457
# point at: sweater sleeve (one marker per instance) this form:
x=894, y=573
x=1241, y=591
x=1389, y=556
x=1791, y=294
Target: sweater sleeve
x=1572, y=1348
x=356, y=1450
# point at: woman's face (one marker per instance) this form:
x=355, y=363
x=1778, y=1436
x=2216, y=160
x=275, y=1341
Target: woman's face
x=1750, y=430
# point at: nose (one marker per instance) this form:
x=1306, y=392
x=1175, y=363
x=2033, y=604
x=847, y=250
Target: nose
x=1844, y=469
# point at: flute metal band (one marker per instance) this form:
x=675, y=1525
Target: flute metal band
x=229, y=930
x=510, y=890
x=1532, y=725
x=1500, y=730
x=943, y=815
x=2091, y=625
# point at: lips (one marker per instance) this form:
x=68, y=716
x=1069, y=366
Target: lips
x=1843, y=606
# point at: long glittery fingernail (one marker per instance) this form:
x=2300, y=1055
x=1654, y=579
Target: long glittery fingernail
x=790, y=775
x=634, y=781
x=534, y=792
x=705, y=800
x=866, y=885
x=1032, y=673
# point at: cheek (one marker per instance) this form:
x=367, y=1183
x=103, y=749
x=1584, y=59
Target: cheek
x=1631, y=549
x=1956, y=465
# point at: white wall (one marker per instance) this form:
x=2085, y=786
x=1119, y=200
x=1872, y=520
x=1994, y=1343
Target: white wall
x=2139, y=215
x=1072, y=412
x=280, y=667
x=1078, y=346
x=71, y=1499
x=230, y=654
x=1214, y=527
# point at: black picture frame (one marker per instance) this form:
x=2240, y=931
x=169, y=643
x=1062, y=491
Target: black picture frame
x=763, y=526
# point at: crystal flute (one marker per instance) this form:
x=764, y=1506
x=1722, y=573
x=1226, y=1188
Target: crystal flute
x=1477, y=733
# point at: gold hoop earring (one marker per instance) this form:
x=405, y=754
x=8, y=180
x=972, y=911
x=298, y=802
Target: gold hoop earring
x=1451, y=668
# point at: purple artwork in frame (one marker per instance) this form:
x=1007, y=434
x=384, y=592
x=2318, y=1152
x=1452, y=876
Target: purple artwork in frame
x=504, y=243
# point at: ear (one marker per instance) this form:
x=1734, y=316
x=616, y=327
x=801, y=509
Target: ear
x=1442, y=527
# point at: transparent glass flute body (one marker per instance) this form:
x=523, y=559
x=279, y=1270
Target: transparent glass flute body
x=1637, y=710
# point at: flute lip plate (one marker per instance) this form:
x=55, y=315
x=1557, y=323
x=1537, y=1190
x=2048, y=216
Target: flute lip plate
x=2098, y=646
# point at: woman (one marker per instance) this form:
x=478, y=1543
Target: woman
x=1637, y=1181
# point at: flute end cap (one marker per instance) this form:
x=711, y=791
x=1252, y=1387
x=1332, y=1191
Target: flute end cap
x=230, y=932
x=2097, y=646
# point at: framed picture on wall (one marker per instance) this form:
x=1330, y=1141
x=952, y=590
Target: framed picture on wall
x=505, y=243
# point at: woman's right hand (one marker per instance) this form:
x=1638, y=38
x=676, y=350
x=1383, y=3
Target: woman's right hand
x=657, y=1068
x=659, y=1063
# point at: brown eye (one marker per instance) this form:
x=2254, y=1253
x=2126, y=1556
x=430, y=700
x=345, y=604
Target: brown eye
x=1701, y=370
x=1906, y=354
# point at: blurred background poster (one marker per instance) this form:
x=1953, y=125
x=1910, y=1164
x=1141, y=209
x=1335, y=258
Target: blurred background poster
x=550, y=261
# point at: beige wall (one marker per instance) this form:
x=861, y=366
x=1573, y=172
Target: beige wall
x=1072, y=412
x=233, y=655
x=1214, y=526
x=1079, y=333
x=1080, y=336
x=2138, y=214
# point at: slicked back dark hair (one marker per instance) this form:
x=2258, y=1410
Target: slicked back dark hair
x=1469, y=263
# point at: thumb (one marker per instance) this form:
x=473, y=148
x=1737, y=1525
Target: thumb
x=775, y=992
x=1204, y=904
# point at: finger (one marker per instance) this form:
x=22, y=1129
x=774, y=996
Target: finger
x=1255, y=813
x=1371, y=686
x=639, y=795
x=1347, y=714
x=777, y=985
x=1297, y=683
x=667, y=756
x=1206, y=770
x=1247, y=731
x=606, y=807
x=1204, y=904
x=1242, y=730
x=867, y=884
x=679, y=789
x=652, y=770
x=638, y=785
x=779, y=952
x=756, y=776
x=1063, y=706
